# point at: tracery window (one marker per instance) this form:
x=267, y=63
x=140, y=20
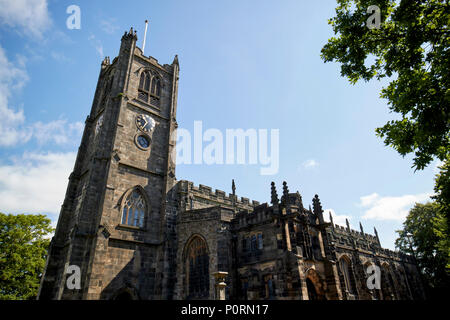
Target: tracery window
x=144, y=86
x=149, y=88
x=345, y=268
x=156, y=86
x=253, y=245
x=260, y=241
x=197, y=263
x=134, y=207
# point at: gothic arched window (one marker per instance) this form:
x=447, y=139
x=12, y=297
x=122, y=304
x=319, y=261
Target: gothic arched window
x=156, y=86
x=134, y=208
x=346, y=273
x=144, y=86
x=197, y=269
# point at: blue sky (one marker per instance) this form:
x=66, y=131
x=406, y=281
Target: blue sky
x=244, y=64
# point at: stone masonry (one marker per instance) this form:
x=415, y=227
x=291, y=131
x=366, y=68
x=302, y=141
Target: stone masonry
x=136, y=232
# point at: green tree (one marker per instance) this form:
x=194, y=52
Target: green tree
x=425, y=236
x=23, y=251
x=442, y=197
x=411, y=49
x=442, y=187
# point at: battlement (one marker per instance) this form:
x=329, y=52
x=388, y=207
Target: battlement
x=355, y=233
x=220, y=196
x=151, y=60
x=260, y=214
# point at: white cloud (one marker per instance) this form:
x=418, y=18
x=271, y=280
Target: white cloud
x=35, y=183
x=60, y=57
x=13, y=129
x=58, y=131
x=337, y=218
x=12, y=78
x=97, y=45
x=109, y=25
x=311, y=163
x=390, y=208
x=31, y=17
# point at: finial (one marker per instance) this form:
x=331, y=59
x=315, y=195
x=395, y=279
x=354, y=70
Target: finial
x=233, y=187
x=361, y=227
x=317, y=205
x=318, y=208
x=310, y=208
x=376, y=235
x=130, y=34
x=175, y=60
x=348, y=224
x=273, y=194
x=331, y=219
x=285, y=197
x=105, y=62
x=285, y=189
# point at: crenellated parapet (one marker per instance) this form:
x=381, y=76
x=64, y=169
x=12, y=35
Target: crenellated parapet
x=347, y=238
x=261, y=214
x=202, y=196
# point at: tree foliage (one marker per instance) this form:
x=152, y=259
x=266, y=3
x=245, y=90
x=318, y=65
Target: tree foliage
x=23, y=250
x=411, y=49
x=425, y=235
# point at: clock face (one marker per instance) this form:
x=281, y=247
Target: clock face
x=143, y=142
x=145, y=123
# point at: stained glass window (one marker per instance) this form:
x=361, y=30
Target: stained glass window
x=198, y=269
x=134, y=209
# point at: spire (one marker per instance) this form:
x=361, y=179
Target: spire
x=331, y=219
x=361, y=227
x=233, y=187
x=273, y=194
x=348, y=224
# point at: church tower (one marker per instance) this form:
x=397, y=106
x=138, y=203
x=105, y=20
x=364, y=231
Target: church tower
x=112, y=224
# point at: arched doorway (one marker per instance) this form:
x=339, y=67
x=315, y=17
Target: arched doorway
x=314, y=286
x=312, y=293
x=197, y=268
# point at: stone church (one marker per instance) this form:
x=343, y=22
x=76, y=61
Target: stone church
x=136, y=232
